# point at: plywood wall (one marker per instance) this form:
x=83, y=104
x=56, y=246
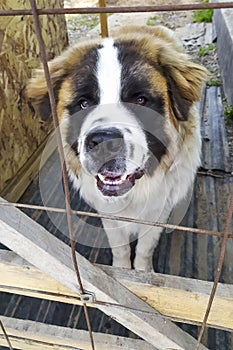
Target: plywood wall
x=21, y=131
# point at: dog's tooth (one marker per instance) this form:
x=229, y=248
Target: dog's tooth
x=109, y=181
x=101, y=177
x=115, y=182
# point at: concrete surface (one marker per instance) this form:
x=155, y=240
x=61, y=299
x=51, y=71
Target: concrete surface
x=223, y=20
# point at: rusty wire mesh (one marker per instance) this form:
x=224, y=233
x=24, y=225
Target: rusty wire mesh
x=225, y=235
x=119, y=9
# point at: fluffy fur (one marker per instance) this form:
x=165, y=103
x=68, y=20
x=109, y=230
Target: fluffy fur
x=130, y=127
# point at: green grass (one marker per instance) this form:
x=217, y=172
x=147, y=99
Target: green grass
x=203, y=15
x=204, y=51
x=152, y=21
x=228, y=112
x=213, y=82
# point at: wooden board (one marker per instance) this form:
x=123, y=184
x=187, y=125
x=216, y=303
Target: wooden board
x=29, y=335
x=32, y=242
x=163, y=292
x=21, y=130
x=19, y=183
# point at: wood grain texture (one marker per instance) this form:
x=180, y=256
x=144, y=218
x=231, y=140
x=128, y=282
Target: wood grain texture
x=182, y=299
x=29, y=335
x=32, y=242
x=22, y=131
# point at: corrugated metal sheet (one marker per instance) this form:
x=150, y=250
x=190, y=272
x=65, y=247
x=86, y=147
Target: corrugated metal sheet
x=215, y=146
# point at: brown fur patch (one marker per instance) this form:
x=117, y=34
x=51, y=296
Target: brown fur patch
x=65, y=97
x=60, y=68
x=184, y=77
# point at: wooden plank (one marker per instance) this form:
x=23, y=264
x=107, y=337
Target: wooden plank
x=17, y=186
x=35, y=244
x=22, y=131
x=182, y=299
x=103, y=20
x=163, y=292
x=30, y=335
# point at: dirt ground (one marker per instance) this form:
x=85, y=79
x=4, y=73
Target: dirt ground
x=175, y=19
x=80, y=25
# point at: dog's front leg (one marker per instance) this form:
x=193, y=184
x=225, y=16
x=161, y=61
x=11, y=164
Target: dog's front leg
x=119, y=243
x=121, y=257
x=147, y=242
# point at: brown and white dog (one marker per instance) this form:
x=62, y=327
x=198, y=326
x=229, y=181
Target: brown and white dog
x=130, y=128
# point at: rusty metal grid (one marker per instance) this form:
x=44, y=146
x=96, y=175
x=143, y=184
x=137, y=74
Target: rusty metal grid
x=226, y=234
x=119, y=9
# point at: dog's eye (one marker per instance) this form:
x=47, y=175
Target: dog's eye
x=84, y=104
x=141, y=100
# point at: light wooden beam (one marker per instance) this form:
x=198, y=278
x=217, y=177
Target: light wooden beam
x=17, y=186
x=103, y=20
x=40, y=248
x=30, y=335
x=181, y=299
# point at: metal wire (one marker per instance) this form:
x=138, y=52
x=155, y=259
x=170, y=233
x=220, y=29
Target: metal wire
x=219, y=270
x=125, y=9
x=6, y=335
x=119, y=218
x=62, y=158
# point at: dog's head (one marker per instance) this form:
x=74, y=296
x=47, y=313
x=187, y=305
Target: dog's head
x=120, y=102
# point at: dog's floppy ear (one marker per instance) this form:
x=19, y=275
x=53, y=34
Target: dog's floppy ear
x=59, y=68
x=184, y=80
x=37, y=90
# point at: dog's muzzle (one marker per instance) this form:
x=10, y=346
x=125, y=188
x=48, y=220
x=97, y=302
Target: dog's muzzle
x=106, y=149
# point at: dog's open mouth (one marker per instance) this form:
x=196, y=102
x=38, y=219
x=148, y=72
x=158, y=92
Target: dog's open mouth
x=112, y=184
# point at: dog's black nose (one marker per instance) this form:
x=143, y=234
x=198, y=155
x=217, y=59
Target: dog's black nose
x=105, y=141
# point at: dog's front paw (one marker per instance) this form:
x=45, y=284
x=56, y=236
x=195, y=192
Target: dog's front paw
x=121, y=262
x=143, y=263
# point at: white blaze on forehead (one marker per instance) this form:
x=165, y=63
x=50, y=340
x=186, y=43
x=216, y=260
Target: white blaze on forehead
x=109, y=73
x=111, y=112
